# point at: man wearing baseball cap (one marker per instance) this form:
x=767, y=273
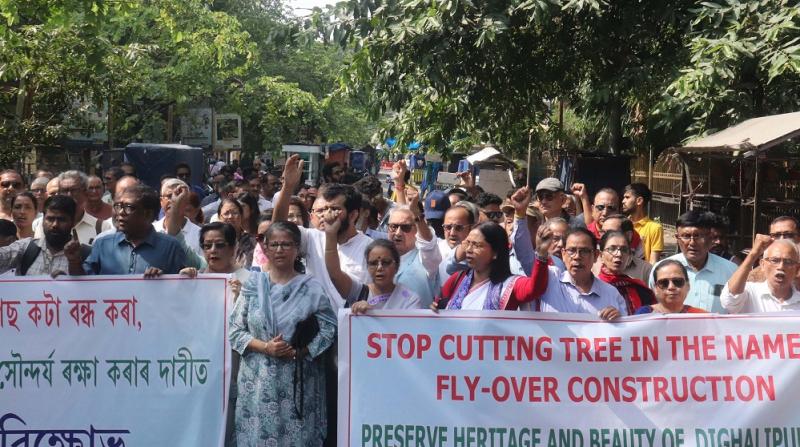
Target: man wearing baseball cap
x=436, y=204
x=550, y=200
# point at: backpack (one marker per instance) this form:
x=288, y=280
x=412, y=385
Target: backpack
x=32, y=252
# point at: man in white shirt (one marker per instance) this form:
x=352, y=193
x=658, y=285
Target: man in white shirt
x=458, y=222
x=190, y=231
x=777, y=293
x=254, y=189
x=343, y=199
x=74, y=184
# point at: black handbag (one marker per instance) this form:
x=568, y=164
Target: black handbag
x=304, y=333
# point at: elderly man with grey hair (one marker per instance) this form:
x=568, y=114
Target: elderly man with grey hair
x=777, y=292
x=170, y=188
x=74, y=184
x=39, y=190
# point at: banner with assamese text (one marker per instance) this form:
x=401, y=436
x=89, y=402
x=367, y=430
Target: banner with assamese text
x=113, y=361
x=519, y=379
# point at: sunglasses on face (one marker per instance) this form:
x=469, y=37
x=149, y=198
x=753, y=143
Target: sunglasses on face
x=545, y=195
x=784, y=235
x=454, y=227
x=11, y=184
x=213, y=245
x=609, y=208
x=493, y=214
x=405, y=228
x=663, y=284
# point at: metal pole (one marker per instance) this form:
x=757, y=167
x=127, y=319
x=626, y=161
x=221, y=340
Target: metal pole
x=680, y=190
x=650, y=176
x=755, y=200
x=530, y=143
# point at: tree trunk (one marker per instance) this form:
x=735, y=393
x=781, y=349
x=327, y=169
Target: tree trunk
x=615, y=142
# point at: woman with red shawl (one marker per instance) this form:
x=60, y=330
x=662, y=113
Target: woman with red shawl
x=615, y=255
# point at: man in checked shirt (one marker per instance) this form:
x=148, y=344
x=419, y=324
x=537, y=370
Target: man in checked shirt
x=47, y=255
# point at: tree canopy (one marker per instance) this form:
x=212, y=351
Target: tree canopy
x=632, y=74
x=146, y=60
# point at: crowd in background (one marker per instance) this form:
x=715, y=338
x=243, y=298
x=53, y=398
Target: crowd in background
x=299, y=252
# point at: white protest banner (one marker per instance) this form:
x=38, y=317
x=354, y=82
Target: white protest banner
x=514, y=379
x=113, y=361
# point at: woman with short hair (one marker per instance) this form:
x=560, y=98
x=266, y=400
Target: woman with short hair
x=615, y=254
x=671, y=282
x=383, y=262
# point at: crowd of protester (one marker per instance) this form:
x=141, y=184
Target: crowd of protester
x=297, y=253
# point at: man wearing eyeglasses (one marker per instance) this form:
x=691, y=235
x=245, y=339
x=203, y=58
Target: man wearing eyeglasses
x=490, y=206
x=458, y=222
x=136, y=247
x=415, y=241
x=10, y=185
x=190, y=231
x=75, y=184
x=777, y=293
x=708, y=272
x=606, y=203
x=782, y=227
x=184, y=172
x=576, y=289
x=550, y=200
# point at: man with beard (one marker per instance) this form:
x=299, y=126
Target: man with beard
x=708, y=272
x=346, y=202
x=780, y=264
x=634, y=204
x=47, y=255
x=333, y=172
x=10, y=185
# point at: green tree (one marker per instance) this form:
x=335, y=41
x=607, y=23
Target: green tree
x=744, y=62
x=456, y=71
